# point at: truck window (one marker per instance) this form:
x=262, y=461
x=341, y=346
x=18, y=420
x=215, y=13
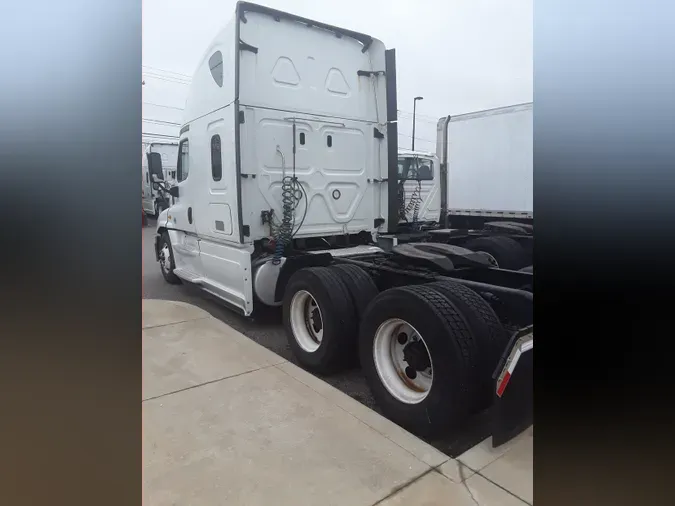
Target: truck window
x=425, y=170
x=216, y=159
x=216, y=66
x=418, y=169
x=183, y=168
x=402, y=168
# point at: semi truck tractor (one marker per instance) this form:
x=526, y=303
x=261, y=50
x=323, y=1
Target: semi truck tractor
x=287, y=193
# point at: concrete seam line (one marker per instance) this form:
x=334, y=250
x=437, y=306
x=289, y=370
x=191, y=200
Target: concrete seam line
x=208, y=383
x=176, y=323
x=504, y=489
x=363, y=422
x=464, y=483
x=405, y=485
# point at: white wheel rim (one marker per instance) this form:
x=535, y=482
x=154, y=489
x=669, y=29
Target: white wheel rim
x=392, y=367
x=165, y=258
x=306, y=321
x=489, y=257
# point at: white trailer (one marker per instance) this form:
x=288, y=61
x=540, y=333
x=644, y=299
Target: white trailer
x=487, y=159
x=151, y=194
x=287, y=174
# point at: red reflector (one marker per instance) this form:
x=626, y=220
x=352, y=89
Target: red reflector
x=502, y=385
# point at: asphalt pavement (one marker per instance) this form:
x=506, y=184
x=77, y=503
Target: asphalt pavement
x=267, y=330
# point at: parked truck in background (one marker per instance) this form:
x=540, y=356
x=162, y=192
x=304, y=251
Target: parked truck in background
x=486, y=166
x=288, y=185
x=153, y=197
x=484, y=163
x=419, y=187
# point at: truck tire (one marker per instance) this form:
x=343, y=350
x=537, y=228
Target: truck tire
x=491, y=337
x=320, y=320
x=166, y=261
x=360, y=285
x=507, y=253
x=431, y=395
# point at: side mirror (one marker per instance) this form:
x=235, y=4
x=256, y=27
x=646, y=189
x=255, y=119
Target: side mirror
x=155, y=186
x=173, y=191
x=155, y=166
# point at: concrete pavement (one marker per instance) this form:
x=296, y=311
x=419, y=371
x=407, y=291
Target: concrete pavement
x=228, y=422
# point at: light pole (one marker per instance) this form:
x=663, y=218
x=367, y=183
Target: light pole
x=414, y=111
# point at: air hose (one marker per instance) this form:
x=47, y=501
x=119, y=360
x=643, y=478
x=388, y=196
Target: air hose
x=413, y=205
x=415, y=202
x=291, y=195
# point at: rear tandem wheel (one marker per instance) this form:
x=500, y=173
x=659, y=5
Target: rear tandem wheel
x=320, y=320
x=418, y=355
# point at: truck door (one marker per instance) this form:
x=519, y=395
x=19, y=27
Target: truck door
x=226, y=263
x=182, y=218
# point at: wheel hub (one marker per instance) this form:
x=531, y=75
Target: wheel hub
x=402, y=361
x=306, y=321
x=165, y=258
x=415, y=354
x=315, y=320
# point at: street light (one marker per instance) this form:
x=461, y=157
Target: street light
x=415, y=110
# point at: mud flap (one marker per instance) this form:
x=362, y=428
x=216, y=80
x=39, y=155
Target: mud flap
x=512, y=409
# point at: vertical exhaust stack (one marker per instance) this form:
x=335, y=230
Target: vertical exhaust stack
x=392, y=141
x=442, y=154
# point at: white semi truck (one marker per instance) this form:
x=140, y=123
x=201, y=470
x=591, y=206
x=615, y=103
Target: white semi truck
x=287, y=187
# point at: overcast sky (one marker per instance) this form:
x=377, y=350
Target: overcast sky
x=460, y=55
